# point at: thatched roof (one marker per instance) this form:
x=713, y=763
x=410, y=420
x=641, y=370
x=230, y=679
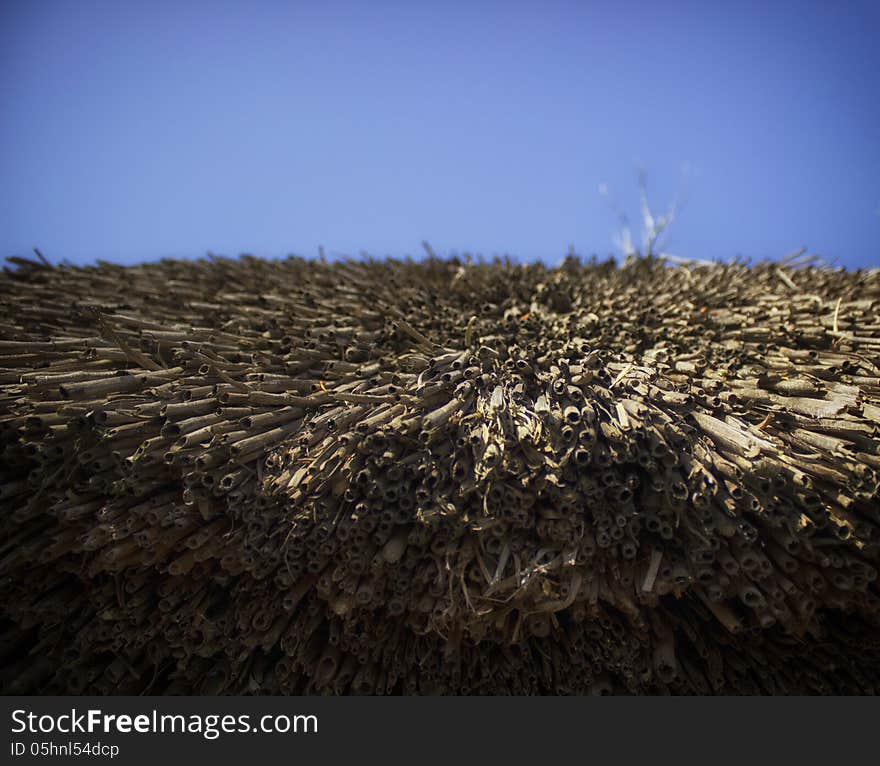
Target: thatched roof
x=439, y=476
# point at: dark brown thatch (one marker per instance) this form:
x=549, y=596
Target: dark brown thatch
x=439, y=477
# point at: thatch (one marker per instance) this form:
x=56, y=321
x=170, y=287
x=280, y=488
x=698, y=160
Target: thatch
x=439, y=477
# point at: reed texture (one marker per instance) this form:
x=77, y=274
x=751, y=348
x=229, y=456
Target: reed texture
x=439, y=477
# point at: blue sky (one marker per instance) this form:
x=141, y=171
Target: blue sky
x=131, y=131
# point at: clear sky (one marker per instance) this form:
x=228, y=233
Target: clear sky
x=135, y=130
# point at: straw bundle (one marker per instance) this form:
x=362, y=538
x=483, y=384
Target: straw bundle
x=244, y=476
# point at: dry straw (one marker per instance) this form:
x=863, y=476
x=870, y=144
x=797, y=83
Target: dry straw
x=242, y=476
